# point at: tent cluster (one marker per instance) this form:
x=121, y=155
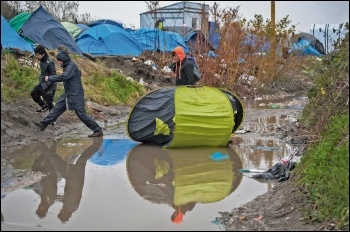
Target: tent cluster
x=100, y=38
x=106, y=37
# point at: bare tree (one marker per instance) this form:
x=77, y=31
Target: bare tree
x=61, y=10
x=8, y=10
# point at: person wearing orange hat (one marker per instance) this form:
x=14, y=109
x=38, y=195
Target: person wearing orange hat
x=182, y=67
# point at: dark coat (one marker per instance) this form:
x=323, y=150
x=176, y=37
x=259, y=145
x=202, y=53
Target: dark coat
x=47, y=68
x=73, y=86
x=186, y=73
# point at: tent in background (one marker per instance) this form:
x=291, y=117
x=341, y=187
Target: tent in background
x=82, y=27
x=73, y=29
x=10, y=38
x=196, y=41
x=105, y=21
x=17, y=22
x=43, y=29
x=106, y=39
x=307, y=44
x=152, y=39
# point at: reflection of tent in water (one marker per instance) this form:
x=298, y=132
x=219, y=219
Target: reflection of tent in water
x=183, y=175
x=112, y=151
x=185, y=116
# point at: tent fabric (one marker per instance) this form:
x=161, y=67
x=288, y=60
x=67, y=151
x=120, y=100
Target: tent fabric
x=43, y=29
x=158, y=104
x=17, y=22
x=191, y=174
x=198, y=177
x=303, y=48
x=214, y=37
x=193, y=37
x=152, y=39
x=112, y=151
x=314, y=41
x=237, y=107
x=192, y=115
x=203, y=116
x=73, y=29
x=83, y=27
x=10, y=38
x=105, y=21
x=106, y=39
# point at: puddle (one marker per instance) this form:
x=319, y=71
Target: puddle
x=120, y=182
x=113, y=183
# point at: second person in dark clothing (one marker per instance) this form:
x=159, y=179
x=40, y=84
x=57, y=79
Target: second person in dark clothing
x=73, y=96
x=182, y=67
x=44, y=92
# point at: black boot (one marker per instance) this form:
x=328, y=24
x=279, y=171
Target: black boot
x=40, y=125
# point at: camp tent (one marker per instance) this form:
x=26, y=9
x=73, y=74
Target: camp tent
x=10, y=38
x=72, y=28
x=152, y=39
x=17, y=22
x=307, y=44
x=196, y=39
x=82, y=27
x=105, y=21
x=43, y=29
x=183, y=175
x=184, y=116
x=106, y=39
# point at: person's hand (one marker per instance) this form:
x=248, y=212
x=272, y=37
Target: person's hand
x=46, y=78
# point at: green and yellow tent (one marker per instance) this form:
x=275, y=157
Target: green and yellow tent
x=185, y=116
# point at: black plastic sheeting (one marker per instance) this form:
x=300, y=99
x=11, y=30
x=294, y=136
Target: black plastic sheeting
x=278, y=172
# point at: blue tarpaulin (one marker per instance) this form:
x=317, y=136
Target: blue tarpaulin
x=106, y=39
x=10, y=38
x=152, y=39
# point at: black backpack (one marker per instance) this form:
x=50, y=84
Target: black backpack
x=196, y=70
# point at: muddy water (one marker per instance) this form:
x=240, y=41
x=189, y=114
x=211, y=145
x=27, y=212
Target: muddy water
x=117, y=184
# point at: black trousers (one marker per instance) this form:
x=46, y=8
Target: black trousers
x=61, y=107
x=41, y=97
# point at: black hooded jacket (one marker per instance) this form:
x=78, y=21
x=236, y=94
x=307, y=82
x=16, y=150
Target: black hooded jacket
x=47, y=68
x=71, y=78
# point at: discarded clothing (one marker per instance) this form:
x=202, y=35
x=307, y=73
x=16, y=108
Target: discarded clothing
x=279, y=172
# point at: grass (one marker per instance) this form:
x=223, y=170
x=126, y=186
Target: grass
x=100, y=84
x=323, y=171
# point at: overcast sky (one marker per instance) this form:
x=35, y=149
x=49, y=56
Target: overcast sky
x=302, y=14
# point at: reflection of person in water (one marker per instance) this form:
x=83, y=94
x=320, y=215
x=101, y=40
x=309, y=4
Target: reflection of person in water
x=180, y=212
x=48, y=183
x=75, y=181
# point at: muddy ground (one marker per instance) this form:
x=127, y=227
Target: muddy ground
x=277, y=210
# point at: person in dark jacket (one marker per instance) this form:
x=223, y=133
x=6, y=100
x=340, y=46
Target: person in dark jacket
x=44, y=92
x=73, y=96
x=182, y=67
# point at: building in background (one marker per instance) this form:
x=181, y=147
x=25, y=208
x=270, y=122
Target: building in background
x=182, y=17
